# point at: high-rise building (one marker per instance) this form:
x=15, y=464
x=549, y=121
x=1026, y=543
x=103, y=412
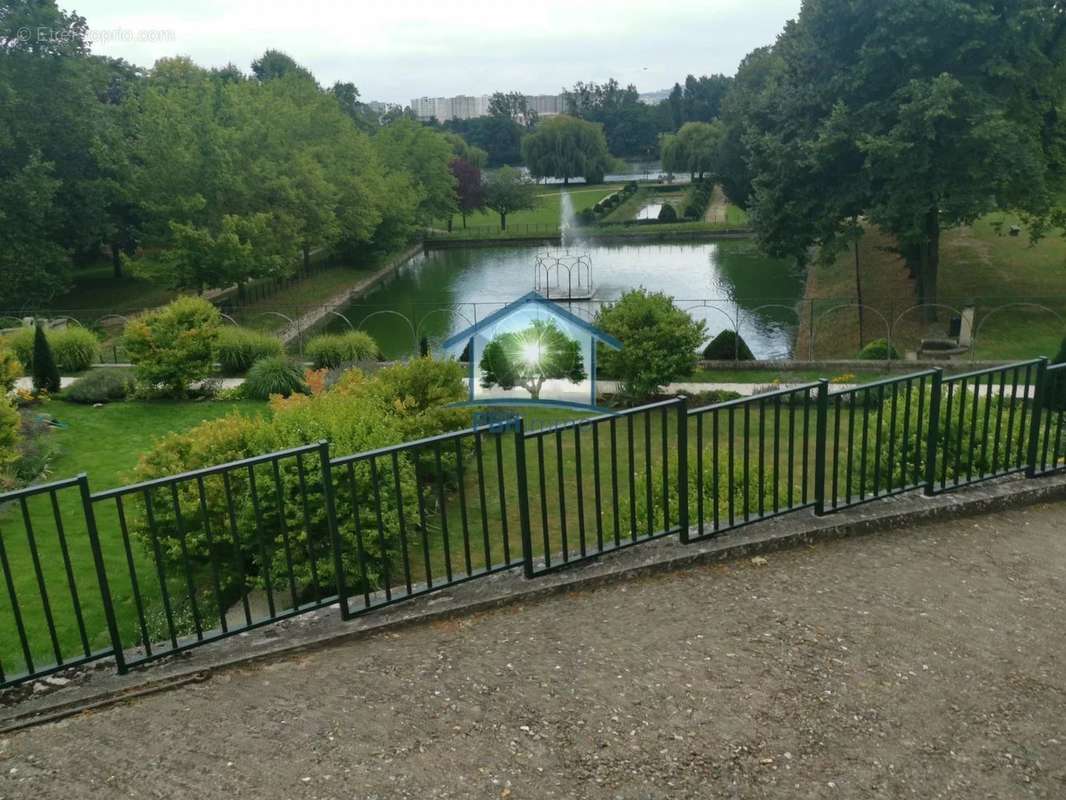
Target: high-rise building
x=468, y=107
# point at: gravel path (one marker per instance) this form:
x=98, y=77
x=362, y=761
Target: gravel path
x=925, y=663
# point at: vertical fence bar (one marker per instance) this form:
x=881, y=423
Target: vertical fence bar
x=1034, y=421
x=523, y=495
x=933, y=432
x=821, y=436
x=334, y=528
x=101, y=573
x=682, y=469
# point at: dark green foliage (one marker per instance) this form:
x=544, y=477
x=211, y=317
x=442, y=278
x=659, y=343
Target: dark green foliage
x=45, y=371
x=697, y=198
x=566, y=147
x=274, y=375
x=1055, y=394
x=728, y=346
x=659, y=342
x=667, y=213
x=879, y=350
x=100, y=386
x=239, y=348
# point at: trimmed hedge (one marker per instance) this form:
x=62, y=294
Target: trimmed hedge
x=879, y=350
x=239, y=348
x=728, y=346
x=330, y=351
x=100, y=386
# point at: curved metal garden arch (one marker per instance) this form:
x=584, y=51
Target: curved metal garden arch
x=833, y=310
x=452, y=309
x=389, y=311
x=996, y=310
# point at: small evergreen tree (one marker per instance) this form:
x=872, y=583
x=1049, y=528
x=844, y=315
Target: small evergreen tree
x=45, y=371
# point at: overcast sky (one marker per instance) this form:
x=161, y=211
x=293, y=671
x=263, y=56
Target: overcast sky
x=398, y=49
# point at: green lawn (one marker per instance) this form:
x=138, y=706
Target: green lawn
x=543, y=219
x=105, y=443
x=300, y=295
x=96, y=292
x=980, y=265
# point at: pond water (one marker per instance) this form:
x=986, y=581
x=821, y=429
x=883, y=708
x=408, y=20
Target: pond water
x=650, y=211
x=443, y=291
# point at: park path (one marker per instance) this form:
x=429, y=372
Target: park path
x=716, y=209
x=918, y=663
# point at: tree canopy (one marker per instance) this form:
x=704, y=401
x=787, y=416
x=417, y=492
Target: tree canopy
x=858, y=112
x=507, y=190
x=566, y=147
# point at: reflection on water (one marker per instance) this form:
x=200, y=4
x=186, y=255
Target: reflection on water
x=650, y=211
x=444, y=291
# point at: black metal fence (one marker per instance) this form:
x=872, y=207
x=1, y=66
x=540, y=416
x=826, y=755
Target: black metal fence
x=145, y=571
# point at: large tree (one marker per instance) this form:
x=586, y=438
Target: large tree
x=629, y=125
x=566, y=147
x=507, y=190
x=867, y=115
x=424, y=154
x=693, y=149
x=469, y=189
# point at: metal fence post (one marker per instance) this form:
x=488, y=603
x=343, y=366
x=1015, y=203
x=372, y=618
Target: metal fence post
x=1035, y=420
x=523, y=495
x=334, y=528
x=101, y=573
x=821, y=439
x=682, y=469
x=934, y=432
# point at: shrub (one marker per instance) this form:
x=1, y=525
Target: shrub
x=174, y=345
x=658, y=339
x=10, y=421
x=360, y=413
x=334, y=350
x=667, y=213
x=21, y=344
x=75, y=348
x=586, y=216
x=10, y=370
x=879, y=350
x=239, y=348
x=274, y=375
x=630, y=187
x=100, y=386
x=728, y=346
x=45, y=371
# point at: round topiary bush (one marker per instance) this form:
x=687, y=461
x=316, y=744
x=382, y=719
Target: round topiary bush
x=728, y=346
x=274, y=375
x=239, y=348
x=879, y=350
x=667, y=213
x=330, y=351
x=75, y=348
x=100, y=386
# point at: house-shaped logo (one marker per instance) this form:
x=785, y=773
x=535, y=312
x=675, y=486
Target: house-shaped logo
x=531, y=351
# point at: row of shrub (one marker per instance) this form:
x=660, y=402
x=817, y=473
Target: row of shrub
x=75, y=348
x=697, y=198
x=358, y=413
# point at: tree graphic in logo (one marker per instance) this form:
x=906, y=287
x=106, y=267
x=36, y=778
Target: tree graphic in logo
x=529, y=357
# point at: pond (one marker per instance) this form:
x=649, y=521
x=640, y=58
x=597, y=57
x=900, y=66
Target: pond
x=650, y=211
x=443, y=291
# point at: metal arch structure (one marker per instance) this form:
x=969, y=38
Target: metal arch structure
x=229, y=319
x=288, y=319
x=390, y=312
x=996, y=310
x=102, y=320
x=790, y=309
x=339, y=314
x=917, y=306
x=842, y=307
x=549, y=265
x=447, y=309
x=734, y=321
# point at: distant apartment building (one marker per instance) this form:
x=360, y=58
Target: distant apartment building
x=380, y=108
x=467, y=107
